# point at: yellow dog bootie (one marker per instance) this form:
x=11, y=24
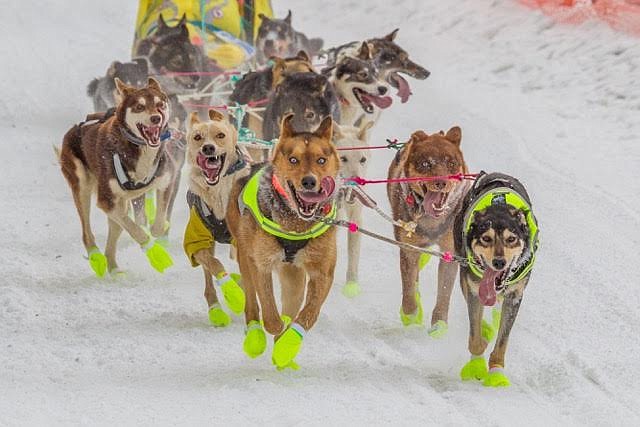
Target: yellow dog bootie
x=255, y=340
x=413, y=319
x=231, y=291
x=97, y=261
x=474, y=369
x=496, y=378
x=287, y=347
x=218, y=317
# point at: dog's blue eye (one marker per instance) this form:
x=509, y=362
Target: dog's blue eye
x=293, y=160
x=322, y=161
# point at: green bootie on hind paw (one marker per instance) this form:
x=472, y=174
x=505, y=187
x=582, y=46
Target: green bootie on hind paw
x=413, y=319
x=438, y=329
x=351, y=289
x=475, y=369
x=286, y=348
x=150, y=207
x=158, y=256
x=255, y=340
x=423, y=260
x=97, y=261
x=496, y=378
x=217, y=316
x=231, y=291
x=489, y=330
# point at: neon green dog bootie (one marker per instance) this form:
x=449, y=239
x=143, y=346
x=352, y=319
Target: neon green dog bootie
x=496, y=378
x=475, y=369
x=232, y=292
x=158, y=256
x=255, y=340
x=97, y=261
x=286, y=348
x=489, y=330
x=413, y=319
x=438, y=329
x=217, y=316
x=423, y=261
x=150, y=206
x=351, y=289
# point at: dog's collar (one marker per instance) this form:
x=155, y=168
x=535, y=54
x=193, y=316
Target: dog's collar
x=126, y=183
x=511, y=197
x=240, y=164
x=249, y=199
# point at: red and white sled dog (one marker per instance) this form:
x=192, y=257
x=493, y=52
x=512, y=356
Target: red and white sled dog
x=433, y=206
x=120, y=158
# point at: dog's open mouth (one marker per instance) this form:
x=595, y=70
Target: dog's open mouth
x=151, y=134
x=399, y=82
x=211, y=167
x=435, y=202
x=368, y=100
x=308, y=202
x=491, y=282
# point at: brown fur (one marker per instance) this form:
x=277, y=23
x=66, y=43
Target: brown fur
x=444, y=151
x=259, y=253
x=86, y=160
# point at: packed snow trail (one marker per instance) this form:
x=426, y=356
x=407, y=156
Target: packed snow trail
x=555, y=106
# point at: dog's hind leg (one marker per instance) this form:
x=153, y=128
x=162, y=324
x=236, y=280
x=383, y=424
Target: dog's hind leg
x=264, y=288
x=255, y=340
x=112, y=242
x=476, y=368
x=163, y=197
x=292, y=282
x=411, y=310
x=138, y=210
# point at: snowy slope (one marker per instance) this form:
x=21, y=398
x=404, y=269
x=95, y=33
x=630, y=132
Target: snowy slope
x=557, y=107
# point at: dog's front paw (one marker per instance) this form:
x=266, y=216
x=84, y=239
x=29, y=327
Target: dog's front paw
x=158, y=256
x=231, y=291
x=438, y=329
x=496, y=378
x=217, y=316
x=255, y=340
x=351, y=289
x=415, y=318
x=286, y=348
x=475, y=369
x=489, y=330
x=97, y=261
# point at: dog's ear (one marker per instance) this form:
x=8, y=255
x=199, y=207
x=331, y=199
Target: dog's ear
x=143, y=64
x=183, y=21
x=123, y=88
x=454, y=135
x=193, y=119
x=216, y=115
x=153, y=83
x=364, y=53
x=286, y=129
x=363, y=132
x=302, y=55
x=113, y=69
x=418, y=135
x=263, y=17
x=392, y=35
x=162, y=24
x=519, y=215
x=325, y=130
x=288, y=18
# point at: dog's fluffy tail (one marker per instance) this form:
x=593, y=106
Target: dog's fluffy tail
x=93, y=88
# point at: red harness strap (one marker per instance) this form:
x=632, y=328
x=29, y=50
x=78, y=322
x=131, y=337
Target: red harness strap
x=278, y=187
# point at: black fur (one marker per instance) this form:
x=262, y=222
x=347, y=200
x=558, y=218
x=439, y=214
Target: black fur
x=285, y=33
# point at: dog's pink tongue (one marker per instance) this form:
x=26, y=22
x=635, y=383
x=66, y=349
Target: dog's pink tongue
x=381, y=102
x=487, y=290
x=209, y=167
x=327, y=187
x=431, y=198
x=404, y=90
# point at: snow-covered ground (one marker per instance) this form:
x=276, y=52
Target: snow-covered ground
x=558, y=107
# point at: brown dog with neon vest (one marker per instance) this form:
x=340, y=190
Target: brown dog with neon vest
x=432, y=204
x=279, y=220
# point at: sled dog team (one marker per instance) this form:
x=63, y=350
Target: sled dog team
x=280, y=214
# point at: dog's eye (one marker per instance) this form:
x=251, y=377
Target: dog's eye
x=486, y=239
x=511, y=239
x=343, y=159
x=387, y=57
x=293, y=160
x=197, y=137
x=322, y=161
x=309, y=115
x=139, y=108
x=426, y=164
x=363, y=74
x=220, y=135
x=363, y=160
x=161, y=105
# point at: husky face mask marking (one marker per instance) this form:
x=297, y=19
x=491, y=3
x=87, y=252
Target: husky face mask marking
x=146, y=110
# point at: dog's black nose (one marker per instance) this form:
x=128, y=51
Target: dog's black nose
x=309, y=182
x=498, y=263
x=208, y=150
x=382, y=90
x=268, y=43
x=439, y=185
x=156, y=118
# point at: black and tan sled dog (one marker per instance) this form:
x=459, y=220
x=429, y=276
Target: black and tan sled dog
x=119, y=158
x=216, y=164
x=279, y=220
x=432, y=205
x=498, y=235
